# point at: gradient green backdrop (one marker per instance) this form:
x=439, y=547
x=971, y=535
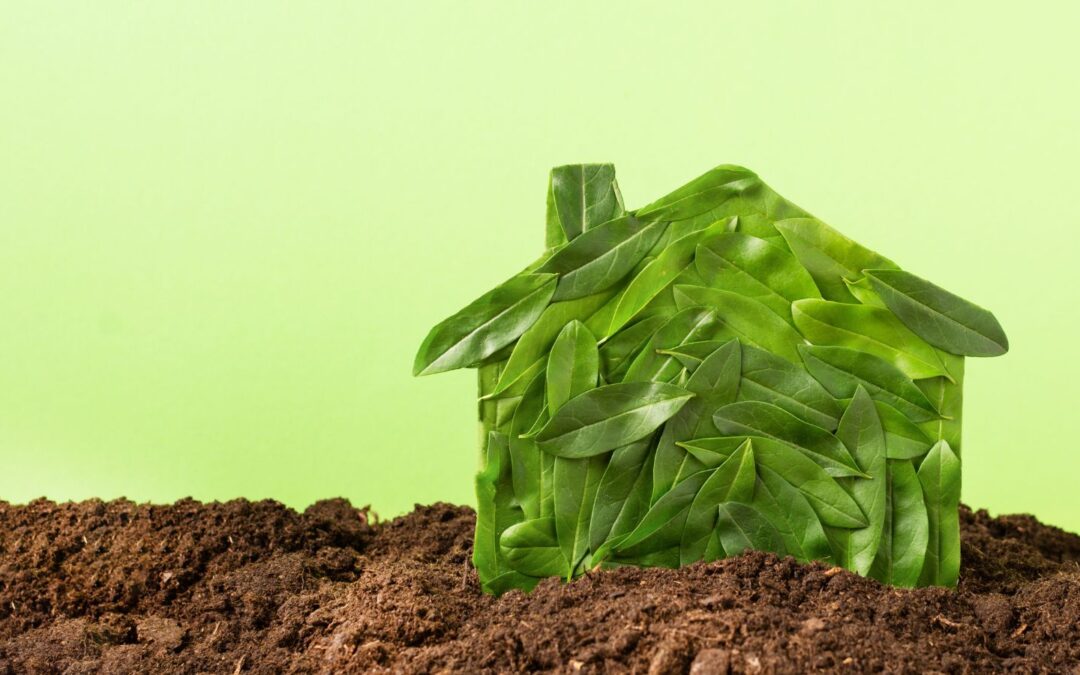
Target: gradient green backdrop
x=226, y=227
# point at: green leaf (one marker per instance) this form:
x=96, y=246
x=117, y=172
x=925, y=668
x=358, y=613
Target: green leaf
x=547, y=485
x=702, y=194
x=860, y=430
x=691, y=354
x=535, y=343
x=833, y=505
x=753, y=418
x=622, y=497
x=495, y=512
x=731, y=481
x=487, y=411
x=755, y=268
x=618, y=353
x=829, y=256
x=740, y=527
x=906, y=531
x=689, y=325
x=576, y=483
x=715, y=384
x=487, y=325
x=580, y=197
x=662, y=525
x=843, y=370
x=745, y=318
x=600, y=257
x=611, y=416
x=510, y=581
x=776, y=208
x=903, y=438
x=944, y=320
x=771, y=379
x=948, y=397
x=524, y=455
x=867, y=329
x=790, y=512
x=573, y=365
x=531, y=547
x=939, y=475
x=716, y=380
x=658, y=275
x=516, y=388
x=864, y=292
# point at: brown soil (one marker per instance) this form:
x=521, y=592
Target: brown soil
x=255, y=587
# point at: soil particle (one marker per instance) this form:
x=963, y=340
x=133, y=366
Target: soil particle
x=254, y=587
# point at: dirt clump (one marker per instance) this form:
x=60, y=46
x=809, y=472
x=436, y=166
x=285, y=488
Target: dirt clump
x=254, y=587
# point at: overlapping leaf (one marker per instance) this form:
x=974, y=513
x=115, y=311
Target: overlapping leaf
x=485, y=326
x=944, y=320
x=829, y=257
x=599, y=258
x=745, y=318
x=868, y=329
x=580, y=197
x=610, y=416
x=754, y=418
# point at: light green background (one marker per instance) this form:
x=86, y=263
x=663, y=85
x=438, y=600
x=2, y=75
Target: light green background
x=226, y=227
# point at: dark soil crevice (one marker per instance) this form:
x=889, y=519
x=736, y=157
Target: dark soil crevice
x=245, y=586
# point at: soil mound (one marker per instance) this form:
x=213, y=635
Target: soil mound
x=254, y=587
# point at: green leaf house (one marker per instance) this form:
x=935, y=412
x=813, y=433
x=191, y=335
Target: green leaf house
x=715, y=371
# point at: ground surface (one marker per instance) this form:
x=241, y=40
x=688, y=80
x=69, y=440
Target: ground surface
x=255, y=587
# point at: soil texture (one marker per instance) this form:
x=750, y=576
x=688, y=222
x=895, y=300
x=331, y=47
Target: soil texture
x=254, y=587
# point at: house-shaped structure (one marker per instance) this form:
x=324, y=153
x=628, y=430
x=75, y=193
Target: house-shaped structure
x=715, y=371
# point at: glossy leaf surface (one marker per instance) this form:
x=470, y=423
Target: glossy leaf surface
x=572, y=366
x=903, y=438
x=662, y=525
x=485, y=326
x=753, y=418
x=842, y=370
x=731, y=481
x=939, y=475
x=906, y=530
x=691, y=354
x=829, y=256
x=702, y=194
x=535, y=343
x=715, y=383
x=745, y=318
x=943, y=319
x=771, y=379
x=791, y=514
x=658, y=275
x=756, y=268
x=689, y=325
x=494, y=514
x=829, y=500
x=575, y=484
x=741, y=527
x=583, y=196
x=611, y=416
x=623, y=495
x=872, y=330
x=524, y=454
x=617, y=353
x=600, y=257
x=861, y=431
x=531, y=547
